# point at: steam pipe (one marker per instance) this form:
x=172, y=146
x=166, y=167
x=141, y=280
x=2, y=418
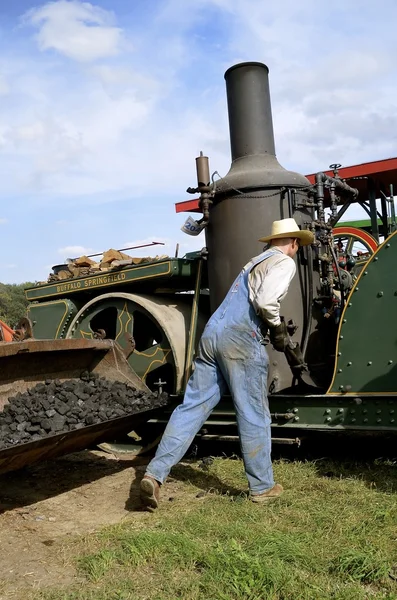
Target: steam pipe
x=341, y=185
x=309, y=301
x=342, y=297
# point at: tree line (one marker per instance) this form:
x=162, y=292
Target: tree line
x=13, y=302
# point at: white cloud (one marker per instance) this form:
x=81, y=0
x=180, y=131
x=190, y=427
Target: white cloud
x=74, y=251
x=78, y=30
x=3, y=221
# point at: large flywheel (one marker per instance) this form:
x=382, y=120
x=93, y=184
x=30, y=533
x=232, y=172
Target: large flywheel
x=153, y=332
x=355, y=245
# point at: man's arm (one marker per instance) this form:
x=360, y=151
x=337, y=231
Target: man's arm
x=269, y=282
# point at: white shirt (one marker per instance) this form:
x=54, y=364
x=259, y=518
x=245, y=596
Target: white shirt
x=268, y=285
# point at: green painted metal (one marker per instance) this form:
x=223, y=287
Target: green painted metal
x=363, y=394
x=51, y=319
x=367, y=339
x=336, y=412
x=181, y=270
x=314, y=412
x=153, y=349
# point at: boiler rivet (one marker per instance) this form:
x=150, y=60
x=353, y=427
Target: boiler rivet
x=350, y=304
x=380, y=294
x=376, y=258
x=369, y=363
x=387, y=245
x=352, y=420
x=328, y=419
x=391, y=420
x=390, y=362
x=295, y=410
x=341, y=337
x=339, y=370
x=341, y=410
x=356, y=289
x=349, y=364
x=327, y=411
x=378, y=412
x=365, y=411
x=392, y=411
x=352, y=411
x=341, y=387
x=365, y=420
x=296, y=418
x=379, y=420
x=339, y=353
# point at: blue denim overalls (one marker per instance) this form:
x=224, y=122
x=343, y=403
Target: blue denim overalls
x=230, y=356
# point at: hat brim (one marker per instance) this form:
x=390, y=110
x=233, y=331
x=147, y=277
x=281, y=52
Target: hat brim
x=304, y=236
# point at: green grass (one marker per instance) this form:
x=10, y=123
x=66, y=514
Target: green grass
x=332, y=535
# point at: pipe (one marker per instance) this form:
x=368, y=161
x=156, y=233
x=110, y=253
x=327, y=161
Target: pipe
x=342, y=298
x=235, y=438
x=309, y=301
x=193, y=324
x=341, y=185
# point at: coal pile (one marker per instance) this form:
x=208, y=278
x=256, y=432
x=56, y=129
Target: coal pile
x=58, y=407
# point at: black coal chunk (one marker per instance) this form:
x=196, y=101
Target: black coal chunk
x=56, y=407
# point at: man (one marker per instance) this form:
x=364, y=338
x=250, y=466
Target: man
x=232, y=355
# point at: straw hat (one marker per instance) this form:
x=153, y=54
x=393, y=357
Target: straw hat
x=288, y=228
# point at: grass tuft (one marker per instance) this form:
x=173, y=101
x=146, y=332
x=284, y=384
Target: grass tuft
x=366, y=566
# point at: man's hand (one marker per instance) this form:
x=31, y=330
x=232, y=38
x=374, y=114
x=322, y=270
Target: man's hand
x=279, y=336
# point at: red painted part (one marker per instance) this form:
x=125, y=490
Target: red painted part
x=188, y=206
x=360, y=234
x=374, y=169
x=383, y=172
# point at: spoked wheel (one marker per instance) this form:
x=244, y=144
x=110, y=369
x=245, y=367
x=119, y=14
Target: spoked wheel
x=153, y=333
x=354, y=243
x=151, y=330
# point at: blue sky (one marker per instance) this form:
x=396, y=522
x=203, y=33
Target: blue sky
x=105, y=105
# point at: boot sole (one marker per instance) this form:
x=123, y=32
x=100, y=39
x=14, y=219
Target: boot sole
x=264, y=499
x=275, y=492
x=147, y=494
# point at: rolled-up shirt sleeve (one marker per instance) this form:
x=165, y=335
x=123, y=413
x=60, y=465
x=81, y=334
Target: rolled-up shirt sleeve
x=268, y=284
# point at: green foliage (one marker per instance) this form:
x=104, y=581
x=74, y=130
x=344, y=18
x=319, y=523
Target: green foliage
x=13, y=302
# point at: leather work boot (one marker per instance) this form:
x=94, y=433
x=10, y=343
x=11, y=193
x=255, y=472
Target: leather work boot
x=274, y=492
x=150, y=493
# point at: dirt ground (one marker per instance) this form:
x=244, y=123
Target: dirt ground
x=45, y=507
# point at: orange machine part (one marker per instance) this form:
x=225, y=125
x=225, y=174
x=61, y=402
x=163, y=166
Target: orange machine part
x=7, y=334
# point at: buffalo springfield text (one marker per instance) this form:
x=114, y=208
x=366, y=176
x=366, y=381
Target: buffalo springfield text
x=91, y=282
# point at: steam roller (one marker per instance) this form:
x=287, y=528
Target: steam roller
x=137, y=323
